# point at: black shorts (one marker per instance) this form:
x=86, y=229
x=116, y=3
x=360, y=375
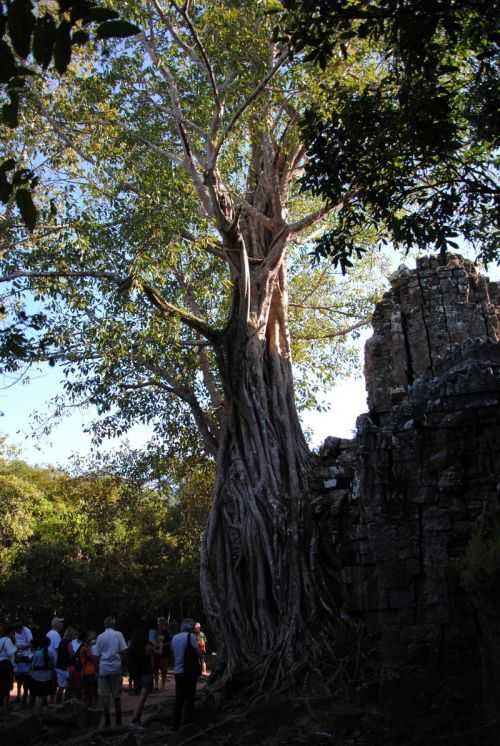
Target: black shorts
x=41, y=688
x=6, y=677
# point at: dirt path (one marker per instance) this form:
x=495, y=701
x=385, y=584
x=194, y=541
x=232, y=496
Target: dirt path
x=158, y=697
x=129, y=699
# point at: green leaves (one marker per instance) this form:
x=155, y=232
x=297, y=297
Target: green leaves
x=132, y=209
x=7, y=165
x=413, y=134
x=5, y=184
x=10, y=111
x=48, y=37
x=7, y=63
x=67, y=537
x=95, y=14
x=17, y=186
x=80, y=37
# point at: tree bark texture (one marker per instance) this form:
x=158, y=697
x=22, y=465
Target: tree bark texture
x=262, y=589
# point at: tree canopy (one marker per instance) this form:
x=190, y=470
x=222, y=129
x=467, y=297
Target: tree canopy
x=414, y=147
x=129, y=225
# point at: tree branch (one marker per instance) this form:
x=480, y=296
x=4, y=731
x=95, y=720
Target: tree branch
x=53, y=274
x=275, y=253
x=212, y=247
x=146, y=385
x=257, y=214
x=166, y=154
x=70, y=142
x=312, y=218
x=338, y=333
x=237, y=114
x=326, y=309
x=168, y=310
x=175, y=34
x=204, y=63
x=201, y=49
x=187, y=395
x=177, y=115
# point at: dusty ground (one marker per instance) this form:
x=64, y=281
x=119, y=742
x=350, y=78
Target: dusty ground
x=62, y=724
x=129, y=699
x=155, y=699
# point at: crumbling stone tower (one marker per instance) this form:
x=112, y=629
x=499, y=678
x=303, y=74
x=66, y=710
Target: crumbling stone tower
x=404, y=498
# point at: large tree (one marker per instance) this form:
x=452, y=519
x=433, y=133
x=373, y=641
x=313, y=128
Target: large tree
x=175, y=163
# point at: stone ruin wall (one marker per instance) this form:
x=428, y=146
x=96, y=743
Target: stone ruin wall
x=398, y=504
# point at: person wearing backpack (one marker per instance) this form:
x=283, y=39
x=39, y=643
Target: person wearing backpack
x=187, y=669
x=43, y=663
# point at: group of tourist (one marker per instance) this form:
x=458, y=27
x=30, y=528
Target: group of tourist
x=65, y=663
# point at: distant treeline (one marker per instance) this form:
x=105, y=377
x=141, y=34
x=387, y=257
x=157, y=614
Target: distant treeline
x=88, y=545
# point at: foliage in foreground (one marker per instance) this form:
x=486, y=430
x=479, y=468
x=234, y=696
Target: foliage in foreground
x=409, y=135
x=33, y=37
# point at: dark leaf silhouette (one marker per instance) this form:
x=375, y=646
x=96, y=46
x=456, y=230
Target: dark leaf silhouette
x=117, y=29
x=62, y=47
x=21, y=22
x=44, y=39
x=28, y=211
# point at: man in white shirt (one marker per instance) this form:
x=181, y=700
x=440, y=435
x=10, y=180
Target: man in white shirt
x=110, y=647
x=54, y=635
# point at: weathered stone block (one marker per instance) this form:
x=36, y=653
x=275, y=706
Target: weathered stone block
x=425, y=468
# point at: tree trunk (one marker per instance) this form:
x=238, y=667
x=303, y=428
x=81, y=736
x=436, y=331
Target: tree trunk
x=262, y=590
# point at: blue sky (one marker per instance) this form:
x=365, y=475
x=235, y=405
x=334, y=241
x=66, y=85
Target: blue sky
x=19, y=400
x=18, y=403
